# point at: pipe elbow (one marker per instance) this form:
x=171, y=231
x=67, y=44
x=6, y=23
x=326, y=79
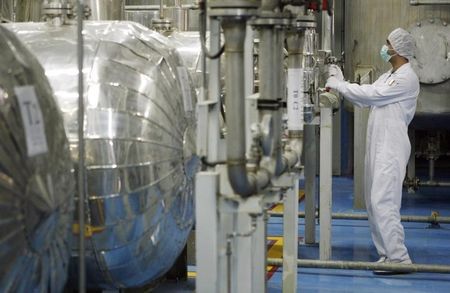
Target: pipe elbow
x=247, y=184
x=240, y=182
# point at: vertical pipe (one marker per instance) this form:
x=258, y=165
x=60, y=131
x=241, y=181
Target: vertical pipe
x=270, y=68
x=161, y=9
x=249, y=76
x=327, y=26
x=326, y=31
x=267, y=74
x=431, y=169
x=310, y=155
x=14, y=12
x=81, y=152
x=290, y=236
x=296, y=95
x=234, y=31
x=259, y=255
x=280, y=96
x=246, y=252
x=213, y=93
x=326, y=134
x=207, y=229
x=234, y=49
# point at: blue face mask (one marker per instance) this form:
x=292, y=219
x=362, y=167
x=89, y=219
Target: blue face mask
x=384, y=53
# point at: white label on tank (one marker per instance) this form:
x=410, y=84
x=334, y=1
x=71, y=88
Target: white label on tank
x=32, y=120
x=183, y=75
x=295, y=99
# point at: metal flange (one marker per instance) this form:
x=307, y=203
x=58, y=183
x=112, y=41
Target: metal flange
x=162, y=24
x=303, y=22
x=270, y=18
x=229, y=4
x=296, y=24
x=56, y=9
x=238, y=13
x=273, y=21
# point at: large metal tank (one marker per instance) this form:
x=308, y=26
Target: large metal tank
x=36, y=178
x=189, y=47
x=365, y=34
x=139, y=137
x=183, y=14
x=106, y=9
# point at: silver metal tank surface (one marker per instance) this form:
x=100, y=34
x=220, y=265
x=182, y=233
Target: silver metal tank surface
x=431, y=63
x=139, y=135
x=36, y=178
x=189, y=47
x=365, y=35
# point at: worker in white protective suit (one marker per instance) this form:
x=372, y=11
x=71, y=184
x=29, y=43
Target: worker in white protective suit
x=392, y=101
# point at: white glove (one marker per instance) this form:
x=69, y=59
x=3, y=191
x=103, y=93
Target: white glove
x=333, y=82
x=334, y=70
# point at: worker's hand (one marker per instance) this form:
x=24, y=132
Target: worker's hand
x=334, y=70
x=333, y=83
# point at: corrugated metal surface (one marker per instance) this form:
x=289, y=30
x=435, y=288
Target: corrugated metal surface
x=36, y=179
x=139, y=143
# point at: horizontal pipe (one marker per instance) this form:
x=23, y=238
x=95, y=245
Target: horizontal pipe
x=154, y=7
x=434, y=184
x=352, y=216
x=359, y=265
x=429, y=2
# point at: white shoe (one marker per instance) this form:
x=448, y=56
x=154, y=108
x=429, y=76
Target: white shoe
x=386, y=260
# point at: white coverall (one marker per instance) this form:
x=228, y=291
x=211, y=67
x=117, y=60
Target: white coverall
x=392, y=101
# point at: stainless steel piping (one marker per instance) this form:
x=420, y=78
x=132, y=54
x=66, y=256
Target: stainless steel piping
x=270, y=83
x=353, y=216
x=359, y=265
x=429, y=2
x=294, y=42
x=282, y=162
x=327, y=31
x=434, y=184
x=271, y=90
x=81, y=152
x=431, y=170
x=242, y=183
x=271, y=75
x=294, y=46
